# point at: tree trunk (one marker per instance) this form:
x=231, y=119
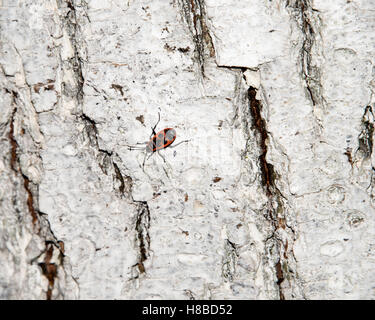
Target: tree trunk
x=267, y=191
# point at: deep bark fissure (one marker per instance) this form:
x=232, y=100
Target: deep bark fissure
x=41, y=225
x=12, y=140
x=49, y=268
x=309, y=22
x=195, y=16
x=143, y=237
x=275, y=210
x=259, y=124
x=72, y=28
x=365, y=138
x=30, y=199
x=15, y=166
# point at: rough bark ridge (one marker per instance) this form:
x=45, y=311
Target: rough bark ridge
x=272, y=197
x=24, y=224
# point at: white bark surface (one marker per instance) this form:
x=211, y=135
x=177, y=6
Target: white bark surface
x=272, y=195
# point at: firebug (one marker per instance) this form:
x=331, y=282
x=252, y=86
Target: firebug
x=158, y=141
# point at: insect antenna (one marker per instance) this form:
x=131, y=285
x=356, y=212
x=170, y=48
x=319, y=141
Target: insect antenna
x=153, y=128
x=153, y=133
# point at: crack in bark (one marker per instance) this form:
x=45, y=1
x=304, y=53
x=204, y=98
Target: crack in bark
x=41, y=225
x=143, y=218
x=91, y=130
x=70, y=24
x=15, y=166
x=107, y=161
x=280, y=279
x=125, y=187
x=30, y=199
x=194, y=14
x=365, y=138
x=348, y=153
x=126, y=183
x=229, y=260
x=72, y=27
x=12, y=140
x=309, y=22
x=275, y=211
x=267, y=170
x=275, y=207
x=143, y=237
x=50, y=269
x=120, y=178
x=259, y=124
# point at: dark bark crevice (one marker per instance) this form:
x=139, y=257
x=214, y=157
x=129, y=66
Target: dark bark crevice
x=15, y=165
x=276, y=208
x=195, y=16
x=309, y=21
x=142, y=236
x=259, y=124
x=365, y=138
x=71, y=25
x=49, y=268
x=229, y=260
x=41, y=226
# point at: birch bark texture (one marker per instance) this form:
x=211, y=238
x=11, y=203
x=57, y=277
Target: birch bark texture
x=271, y=197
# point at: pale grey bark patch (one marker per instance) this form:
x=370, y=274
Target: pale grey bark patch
x=271, y=198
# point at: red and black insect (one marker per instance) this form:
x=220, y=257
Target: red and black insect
x=161, y=140
x=158, y=141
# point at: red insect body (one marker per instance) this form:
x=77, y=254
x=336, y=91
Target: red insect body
x=161, y=140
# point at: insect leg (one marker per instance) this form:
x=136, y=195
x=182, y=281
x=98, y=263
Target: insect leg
x=165, y=171
x=179, y=144
x=144, y=161
x=146, y=158
x=137, y=146
x=150, y=156
x=161, y=156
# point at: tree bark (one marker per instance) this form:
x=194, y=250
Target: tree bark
x=267, y=191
